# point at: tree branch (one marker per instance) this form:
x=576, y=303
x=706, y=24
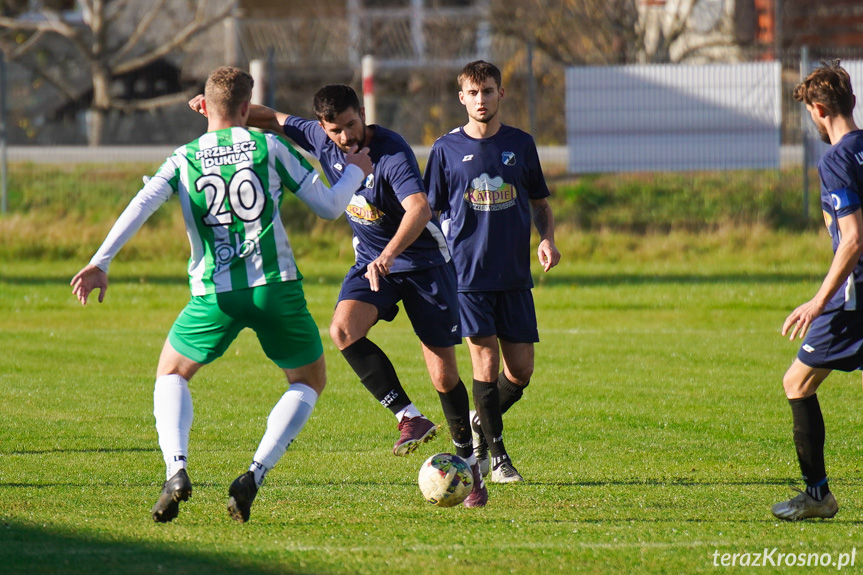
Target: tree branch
x=57, y=81
x=20, y=50
x=53, y=24
x=154, y=103
x=139, y=31
x=718, y=43
x=196, y=26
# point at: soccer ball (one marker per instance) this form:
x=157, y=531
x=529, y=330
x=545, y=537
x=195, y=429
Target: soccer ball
x=445, y=479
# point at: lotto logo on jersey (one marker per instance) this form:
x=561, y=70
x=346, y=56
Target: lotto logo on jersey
x=487, y=194
x=359, y=210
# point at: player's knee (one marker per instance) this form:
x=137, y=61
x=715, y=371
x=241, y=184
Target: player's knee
x=794, y=388
x=444, y=383
x=317, y=384
x=522, y=375
x=314, y=375
x=339, y=335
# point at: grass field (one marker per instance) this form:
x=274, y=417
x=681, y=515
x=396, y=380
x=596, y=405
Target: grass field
x=655, y=433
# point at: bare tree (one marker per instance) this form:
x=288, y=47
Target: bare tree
x=112, y=38
x=603, y=32
x=569, y=31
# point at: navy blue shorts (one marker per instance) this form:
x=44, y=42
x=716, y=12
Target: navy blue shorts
x=834, y=341
x=510, y=315
x=429, y=297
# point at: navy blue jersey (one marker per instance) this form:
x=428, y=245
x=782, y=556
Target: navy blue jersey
x=375, y=212
x=482, y=190
x=841, y=173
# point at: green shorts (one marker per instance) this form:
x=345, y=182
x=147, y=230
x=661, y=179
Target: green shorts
x=277, y=312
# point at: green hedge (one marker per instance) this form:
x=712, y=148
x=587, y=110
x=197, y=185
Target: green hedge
x=59, y=212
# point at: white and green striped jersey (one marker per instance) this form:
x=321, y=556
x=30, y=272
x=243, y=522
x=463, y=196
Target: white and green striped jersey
x=230, y=184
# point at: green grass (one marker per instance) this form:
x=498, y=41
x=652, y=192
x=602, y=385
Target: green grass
x=655, y=431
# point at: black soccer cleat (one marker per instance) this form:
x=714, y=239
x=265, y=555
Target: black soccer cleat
x=177, y=488
x=241, y=495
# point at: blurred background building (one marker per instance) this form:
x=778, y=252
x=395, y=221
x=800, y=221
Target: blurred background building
x=123, y=76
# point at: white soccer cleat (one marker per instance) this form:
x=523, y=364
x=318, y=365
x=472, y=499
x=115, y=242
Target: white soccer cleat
x=804, y=506
x=506, y=473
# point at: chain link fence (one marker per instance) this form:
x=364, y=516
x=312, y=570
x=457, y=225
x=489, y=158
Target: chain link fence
x=418, y=101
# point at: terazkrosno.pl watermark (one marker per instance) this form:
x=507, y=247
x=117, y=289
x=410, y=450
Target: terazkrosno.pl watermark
x=773, y=557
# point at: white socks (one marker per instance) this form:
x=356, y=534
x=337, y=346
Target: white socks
x=283, y=425
x=409, y=411
x=172, y=406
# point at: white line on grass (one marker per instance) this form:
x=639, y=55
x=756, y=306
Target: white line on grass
x=578, y=331
x=300, y=547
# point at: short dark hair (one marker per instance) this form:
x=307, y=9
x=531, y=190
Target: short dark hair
x=828, y=85
x=332, y=100
x=477, y=72
x=227, y=89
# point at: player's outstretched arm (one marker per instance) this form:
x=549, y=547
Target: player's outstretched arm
x=87, y=280
x=360, y=159
x=266, y=119
x=330, y=203
x=259, y=116
x=155, y=192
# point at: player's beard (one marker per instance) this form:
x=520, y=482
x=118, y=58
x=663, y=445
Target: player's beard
x=822, y=133
x=360, y=144
x=483, y=119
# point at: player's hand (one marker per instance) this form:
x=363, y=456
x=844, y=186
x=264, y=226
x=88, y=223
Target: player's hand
x=88, y=279
x=360, y=159
x=801, y=319
x=548, y=255
x=376, y=270
x=195, y=104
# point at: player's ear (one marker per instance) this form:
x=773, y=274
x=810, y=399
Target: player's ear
x=820, y=110
x=500, y=91
x=244, y=108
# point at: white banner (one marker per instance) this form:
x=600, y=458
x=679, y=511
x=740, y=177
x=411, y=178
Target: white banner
x=673, y=117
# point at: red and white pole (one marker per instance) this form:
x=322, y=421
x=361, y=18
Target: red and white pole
x=369, y=88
